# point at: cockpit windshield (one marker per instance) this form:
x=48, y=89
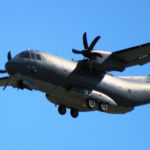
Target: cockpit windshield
x=29, y=55
x=32, y=56
x=24, y=55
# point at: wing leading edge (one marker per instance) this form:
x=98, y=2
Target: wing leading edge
x=8, y=81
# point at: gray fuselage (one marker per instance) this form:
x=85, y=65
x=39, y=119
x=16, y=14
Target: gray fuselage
x=57, y=77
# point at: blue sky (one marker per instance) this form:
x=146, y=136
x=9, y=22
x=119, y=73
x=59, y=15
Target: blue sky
x=28, y=120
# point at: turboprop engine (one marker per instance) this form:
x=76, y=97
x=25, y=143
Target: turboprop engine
x=99, y=59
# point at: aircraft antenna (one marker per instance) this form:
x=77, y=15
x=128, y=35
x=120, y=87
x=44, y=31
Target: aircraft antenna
x=28, y=49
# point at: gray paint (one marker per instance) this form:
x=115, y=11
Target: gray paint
x=65, y=82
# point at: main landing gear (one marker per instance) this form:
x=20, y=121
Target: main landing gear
x=102, y=106
x=62, y=110
x=91, y=103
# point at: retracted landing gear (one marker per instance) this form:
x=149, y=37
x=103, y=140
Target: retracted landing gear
x=62, y=109
x=74, y=113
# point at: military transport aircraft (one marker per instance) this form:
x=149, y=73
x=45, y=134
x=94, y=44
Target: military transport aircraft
x=84, y=85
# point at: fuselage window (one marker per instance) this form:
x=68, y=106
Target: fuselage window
x=38, y=57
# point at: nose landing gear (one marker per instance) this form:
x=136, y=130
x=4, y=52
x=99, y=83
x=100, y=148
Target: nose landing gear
x=62, y=109
x=73, y=112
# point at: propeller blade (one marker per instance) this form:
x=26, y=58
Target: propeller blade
x=94, y=42
x=9, y=55
x=3, y=71
x=76, y=51
x=85, y=43
x=86, y=52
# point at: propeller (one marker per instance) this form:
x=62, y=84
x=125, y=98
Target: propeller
x=9, y=58
x=3, y=71
x=87, y=51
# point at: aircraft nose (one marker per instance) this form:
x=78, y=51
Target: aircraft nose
x=9, y=67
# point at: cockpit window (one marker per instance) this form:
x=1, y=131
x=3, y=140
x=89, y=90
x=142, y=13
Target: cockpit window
x=25, y=55
x=32, y=55
x=38, y=56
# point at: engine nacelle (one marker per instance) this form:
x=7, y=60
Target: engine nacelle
x=109, y=64
x=106, y=62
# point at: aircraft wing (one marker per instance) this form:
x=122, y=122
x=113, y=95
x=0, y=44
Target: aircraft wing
x=8, y=81
x=138, y=55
